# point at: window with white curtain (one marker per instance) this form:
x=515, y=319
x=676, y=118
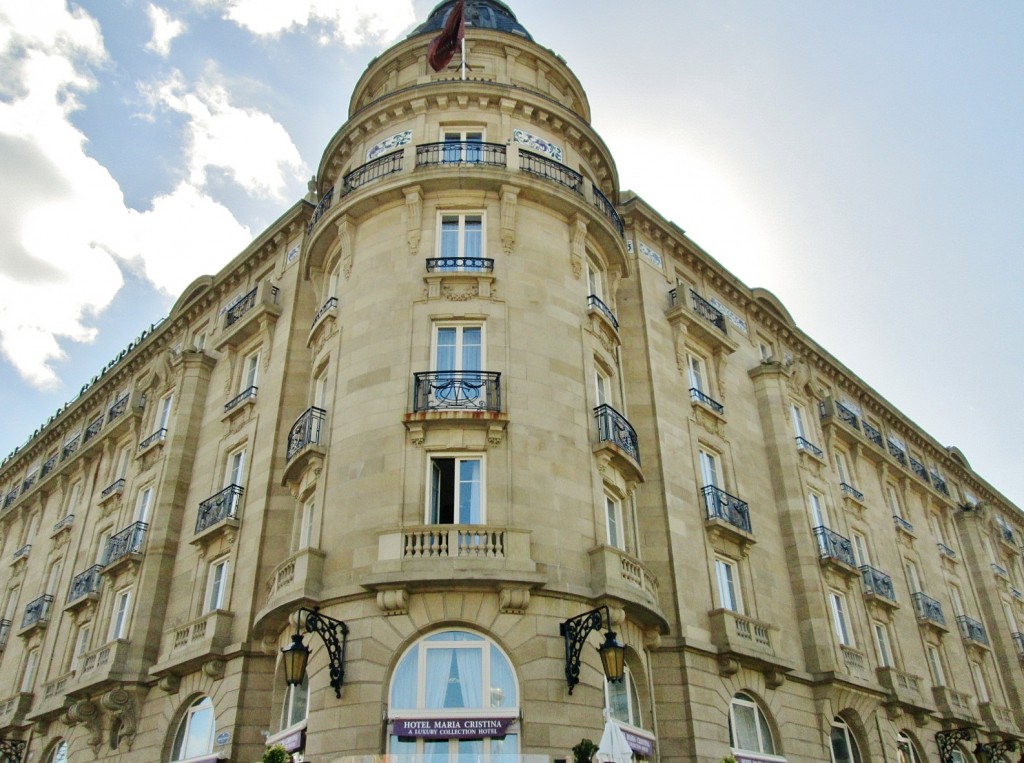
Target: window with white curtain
x=748, y=727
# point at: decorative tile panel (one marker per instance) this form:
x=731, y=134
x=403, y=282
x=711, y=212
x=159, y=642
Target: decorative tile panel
x=397, y=140
x=538, y=144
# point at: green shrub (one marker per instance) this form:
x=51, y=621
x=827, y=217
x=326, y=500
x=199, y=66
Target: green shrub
x=276, y=754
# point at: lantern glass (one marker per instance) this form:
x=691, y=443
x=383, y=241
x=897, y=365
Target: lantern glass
x=295, y=658
x=613, y=657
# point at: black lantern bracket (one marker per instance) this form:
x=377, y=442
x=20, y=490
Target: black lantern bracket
x=993, y=751
x=12, y=750
x=575, y=631
x=334, y=634
x=948, y=740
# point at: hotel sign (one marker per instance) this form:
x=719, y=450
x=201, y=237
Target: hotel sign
x=451, y=728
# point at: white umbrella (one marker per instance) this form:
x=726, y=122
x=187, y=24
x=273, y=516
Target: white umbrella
x=613, y=748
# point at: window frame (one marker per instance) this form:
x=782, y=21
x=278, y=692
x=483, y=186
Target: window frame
x=144, y=504
x=461, y=218
x=217, y=585
x=234, y=467
x=728, y=568
x=883, y=644
x=120, y=615
x=614, y=524
x=841, y=623
x=250, y=370
x=839, y=724
x=458, y=460
x=935, y=667
x=761, y=726
x=30, y=668
x=181, y=747
x=628, y=687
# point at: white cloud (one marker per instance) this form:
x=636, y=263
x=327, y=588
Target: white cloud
x=353, y=22
x=64, y=226
x=247, y=144
x=165, y=30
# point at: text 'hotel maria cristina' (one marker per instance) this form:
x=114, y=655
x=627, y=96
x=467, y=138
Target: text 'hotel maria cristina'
x=472, y=450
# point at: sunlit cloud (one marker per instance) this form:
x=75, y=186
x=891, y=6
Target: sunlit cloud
x=353, y=22
x=165, y=30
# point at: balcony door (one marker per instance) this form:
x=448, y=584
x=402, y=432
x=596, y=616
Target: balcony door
x=459, y=145
x=458, y=354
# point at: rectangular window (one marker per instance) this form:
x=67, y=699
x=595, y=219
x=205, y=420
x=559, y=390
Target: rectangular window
x=320, y=391
x=235, y=473
x=935, y=665
x=839, y=618
x=819, y=516
x=163, y=412
x=81, y=645
x=458, y=348
x=123, y=458
x=456, y=490
x=882, y=644
x=860, y=550
x=798, y=420
x=250, y=371
x=956, y=598
x=842, y=468
x=119, y=615
x=695, y=369
x=459, y=145
x=913, y=578
x=199, y=340
x=979, y=682
x=613, y=523
x=727, y=577
x=29, y=676
x=143, y=504
x=217, y=585
x=709, y=469
x=73, y=498
x=306, y=528
x=765, y=349
x=462, y=235
x=893, y=498
x=53, y=579
x=602, y=386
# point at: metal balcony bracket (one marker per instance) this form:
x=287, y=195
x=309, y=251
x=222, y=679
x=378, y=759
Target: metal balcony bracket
x=948, y=740
x=12, y=750
x=994, y=751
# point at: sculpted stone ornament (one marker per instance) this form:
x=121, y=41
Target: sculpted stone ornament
x=87, y=713
x=124, y=709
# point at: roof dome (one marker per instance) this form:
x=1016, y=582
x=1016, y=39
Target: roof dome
x=480, y=14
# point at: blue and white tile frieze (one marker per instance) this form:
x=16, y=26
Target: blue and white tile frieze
x=397, y=140
x=538, y=144
x=651, y=256
x=734, y=319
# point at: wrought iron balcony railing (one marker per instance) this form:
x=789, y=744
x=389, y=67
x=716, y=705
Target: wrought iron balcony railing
x=94, y=428
x=37, y=611
x=119, y=407
x=877, y=583
x=85, y=583
x=375, y=169
x=802, y=443
x=596, y=303
x=698, y=396
x=539, y=165
x=971, y=629
x=608, y=210
x=946, y=551
x=237, y=400
x=305, y=431
x=158, y=436
x=939, y=484
x=707, y=311
x=846, y=415
x=70, y=447
x=321, y=208
x=66, y=522
x=851, y=491
x=898, y=453
x=219, y=507
x=874, y=435
x=1016, y=593
x=11, y=497
x=1007, y=535
x=456, y=390
x=29, y=481
x=1000, y=570
x=128, y=541
x=720, y=505
x=928, y=609
x=1018, y=641
x=918, y=468
x=612, y=427
x=455, y=152
x=5, y=631
x=329, y=305
x=460, y=265
x=23, y=552
x=116, y=486
x=832, y=545
x=902, y=524
x=50, y=464
x=240, y=308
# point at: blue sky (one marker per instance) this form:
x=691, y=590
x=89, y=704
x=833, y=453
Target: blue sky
x=863, y=161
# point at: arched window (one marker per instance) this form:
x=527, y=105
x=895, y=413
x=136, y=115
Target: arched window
x=295, y=707
x=623, y=700
x=59, y=754
x=454, y=696
x=194, y=737
x=844, y=746
x=906, y=749
x=748, y=726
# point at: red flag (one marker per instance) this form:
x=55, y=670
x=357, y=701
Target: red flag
x=442, y=48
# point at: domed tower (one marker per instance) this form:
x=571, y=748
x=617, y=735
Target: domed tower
x=462, y=460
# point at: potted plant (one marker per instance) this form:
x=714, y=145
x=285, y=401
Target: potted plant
x=276, y=754
x=584, y=751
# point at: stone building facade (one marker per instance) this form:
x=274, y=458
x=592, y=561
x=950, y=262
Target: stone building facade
x=470, y=391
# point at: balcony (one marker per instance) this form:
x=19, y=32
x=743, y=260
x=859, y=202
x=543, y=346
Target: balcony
x=187, y=647
x=222, y=508
x=874, y=435
x=614, y=572
x=29, y=482
x=305, y=431
x=157, y=438
x=37, y=613
x=595, y=304
x=117, y=409
x=13, y=711
x=918, y=469
x=461, y=153
x=456, y=391
x=1018, y=642
x=296, y=581
x=727, y=513
x=243, y=398
x=112, y=490
x=946, y=552
x=93, y=428
x=23, y=552
x=125, y=547
x=70, y=448
x=382, y=166
x=85, y=587
x=903, y=525
x=606, y=208
x=928, y=611
x=11, y=497
x=742, y=640
x=878, y=586
x=939, y=483
x=256, y=311
x=460, y=265
x=101, y=668
x=5, y=633
x=953, y=705
x=855, y=662
x=549, y=169
x=898, y=453
x=696, y=396
x=49, y=464
x=850, y=491
x=322, y=207
x=62, y=525
x=997, y=718
x=836, y=551
x=702, y=320
x=806, y=446
x=617, y=441
x=1000, y=571
x=971, y=630
x=905, y=689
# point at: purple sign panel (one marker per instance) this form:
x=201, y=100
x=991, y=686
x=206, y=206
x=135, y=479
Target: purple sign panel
x=451, y=728
x=638, y=744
